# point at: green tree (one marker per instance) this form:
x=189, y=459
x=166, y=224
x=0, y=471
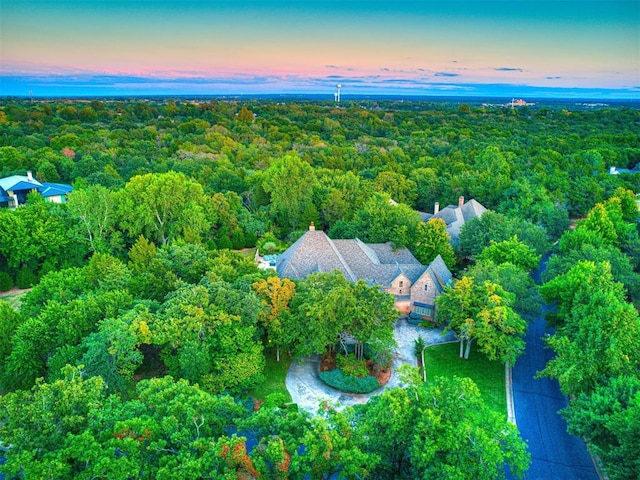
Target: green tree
x=112, y=353
x=289, y=181
x=433, y=240
x=163, y=207
x=483, y=312
x=510, y=251
x=95, y=207
x=512, y=279
x=609, y=418
x=397, y=186
x=476, y=234
x=600, y=339
x=206, y=345
x=457, y=437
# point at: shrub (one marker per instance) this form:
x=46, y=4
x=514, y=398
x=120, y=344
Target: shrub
x=336, y=379
x=26, y=278
x=351, y=366
x=6, y=282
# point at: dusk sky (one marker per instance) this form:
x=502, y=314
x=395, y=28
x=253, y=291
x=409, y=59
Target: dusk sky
x=507, y=48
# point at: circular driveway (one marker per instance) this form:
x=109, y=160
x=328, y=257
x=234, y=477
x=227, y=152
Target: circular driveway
x=308, y=391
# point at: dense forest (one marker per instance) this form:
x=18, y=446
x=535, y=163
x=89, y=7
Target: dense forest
x=146, y=327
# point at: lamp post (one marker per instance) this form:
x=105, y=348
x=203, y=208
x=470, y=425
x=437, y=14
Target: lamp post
x=424, y=367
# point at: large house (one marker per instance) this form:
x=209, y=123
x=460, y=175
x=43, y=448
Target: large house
x=456, y=216
x=398, y=272
x=14, y=190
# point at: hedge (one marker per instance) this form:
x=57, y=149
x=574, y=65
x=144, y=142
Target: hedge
x=6, y=282
x=336, y=379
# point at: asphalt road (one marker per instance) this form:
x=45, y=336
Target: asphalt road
x=554, y=453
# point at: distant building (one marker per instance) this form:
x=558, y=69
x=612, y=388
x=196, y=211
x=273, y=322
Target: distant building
x=456, y=216
x=14, y=190
x=398, y=272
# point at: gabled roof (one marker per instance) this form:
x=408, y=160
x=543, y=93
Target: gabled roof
x=53, y=189
x=456, y=216
x=377, y=264
x=439, y=273
x=313, y=252
x=18, y=182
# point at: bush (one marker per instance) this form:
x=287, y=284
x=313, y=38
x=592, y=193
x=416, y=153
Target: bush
x=336, y=379
x=351, y=366
x=26, y=278
x=6, y=282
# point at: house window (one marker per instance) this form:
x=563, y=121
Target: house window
x=400, y=284
x=426, y=287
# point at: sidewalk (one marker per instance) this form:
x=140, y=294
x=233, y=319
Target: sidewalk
x=308, y=391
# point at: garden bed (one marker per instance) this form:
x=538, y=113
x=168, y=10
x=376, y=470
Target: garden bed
x=352, y=384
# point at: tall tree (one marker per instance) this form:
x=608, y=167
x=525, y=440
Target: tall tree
x=276, y=295
x=433, y=240
x=289, y=182
x=483, y=312
x=163, y=207
x=95, y=207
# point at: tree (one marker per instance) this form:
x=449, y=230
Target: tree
x=477, y=233
x=576, y=288
x=10, y=320
x=511, y=251
x=512, y=279
x=433, y=240
x=95, y=207
x=609, y=418
x=600, y=339
x=378, y=221
x=276, y=295
x=457, y=436
x=386, y=427
x=482, y=312
x=204, y=344
x=397, y=186
x=112, y=353
x=369, y=315
x=331, y=449
x=289, y=181
x=163, y=207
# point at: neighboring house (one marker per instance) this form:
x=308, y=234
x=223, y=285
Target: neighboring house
x=14, y=190
x=455, y=217
x=414, y=285
x=618, y=171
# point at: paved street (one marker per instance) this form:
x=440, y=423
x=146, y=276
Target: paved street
x=554, y=453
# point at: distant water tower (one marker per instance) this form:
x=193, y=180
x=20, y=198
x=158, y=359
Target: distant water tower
x=338, y=93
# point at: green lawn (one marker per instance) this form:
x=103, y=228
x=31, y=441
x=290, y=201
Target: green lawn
x=14, y=300
x=443, y=361
x=275, y=373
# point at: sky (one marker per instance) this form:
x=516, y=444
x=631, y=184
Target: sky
x=540, y=48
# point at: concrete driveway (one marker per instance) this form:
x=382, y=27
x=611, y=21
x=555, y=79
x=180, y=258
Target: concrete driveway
x=308, y=391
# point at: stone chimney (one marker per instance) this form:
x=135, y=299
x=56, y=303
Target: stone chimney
x=312, y=227
x=460, y=201
x=29, y=176
x=436, y=208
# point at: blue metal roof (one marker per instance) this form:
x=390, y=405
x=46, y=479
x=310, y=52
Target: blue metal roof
x=53, y=189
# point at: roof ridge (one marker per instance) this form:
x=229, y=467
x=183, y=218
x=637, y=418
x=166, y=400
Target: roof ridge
x=346, y=266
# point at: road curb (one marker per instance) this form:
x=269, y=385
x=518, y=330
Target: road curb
x=508, y=382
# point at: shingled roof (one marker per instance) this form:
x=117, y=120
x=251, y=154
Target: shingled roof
x=456, y=216
x=377, y=264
